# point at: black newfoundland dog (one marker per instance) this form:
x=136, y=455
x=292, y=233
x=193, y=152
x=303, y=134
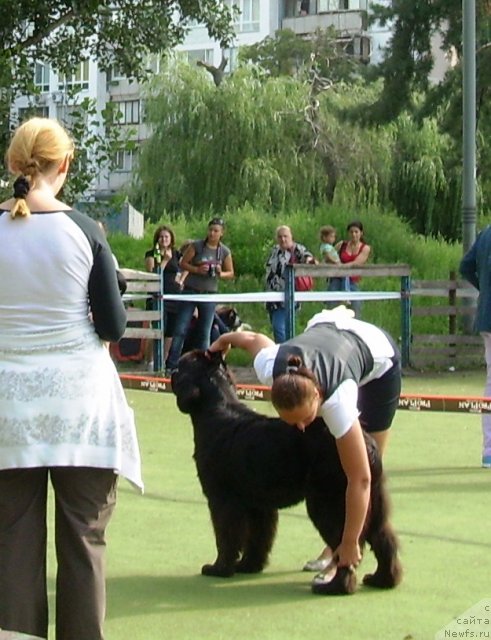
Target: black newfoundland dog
x=251, y=465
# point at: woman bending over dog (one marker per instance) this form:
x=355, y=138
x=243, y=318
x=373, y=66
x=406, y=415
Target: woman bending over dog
x=345, y=371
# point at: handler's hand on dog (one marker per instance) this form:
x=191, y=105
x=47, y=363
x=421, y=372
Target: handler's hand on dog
x=348, y=555
x=220, y=345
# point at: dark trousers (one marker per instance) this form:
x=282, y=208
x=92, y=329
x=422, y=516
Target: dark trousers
x=84, y=502
x=206, y=311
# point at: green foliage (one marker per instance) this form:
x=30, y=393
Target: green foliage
x=120, y=32
x=97, y=141
x=410, y=57
x=287, y=54
x=213, y=148
x=115, y=32
x=279, y=146
x=419, y=188
x=250, y=234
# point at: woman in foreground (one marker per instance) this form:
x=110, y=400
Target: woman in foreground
x=64, y=418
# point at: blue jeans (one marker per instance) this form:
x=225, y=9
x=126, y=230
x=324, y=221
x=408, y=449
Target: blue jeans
x=345, y=284
x=206, y=312
x=278, y=322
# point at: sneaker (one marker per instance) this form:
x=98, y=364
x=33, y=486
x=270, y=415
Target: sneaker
x=486, y=462
x=168, y=373
x=317, y=565
x=150, y=365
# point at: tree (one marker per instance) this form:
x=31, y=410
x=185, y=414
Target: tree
x=119, y=32
x=409, y=58
x=247, y=141
x=116, y=32
x=287, y=54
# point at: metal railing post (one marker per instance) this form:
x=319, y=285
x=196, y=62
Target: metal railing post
x=290, y=301
x=405, y=320
x=158, y=350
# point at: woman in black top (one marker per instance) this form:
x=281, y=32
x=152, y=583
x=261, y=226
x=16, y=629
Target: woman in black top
x=165, y=256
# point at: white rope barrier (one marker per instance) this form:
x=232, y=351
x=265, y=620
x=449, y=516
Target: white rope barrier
x=272, y=296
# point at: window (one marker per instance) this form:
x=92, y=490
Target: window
x=28, y=112
x=129, y=112
x=41, y=76
x=248, y=19
x=334, y=5
x=123, y=161
x=115, y=74
x=64, y=113
x=206, y=55
x=78, y=80
x=152, y=63
x=233, y=59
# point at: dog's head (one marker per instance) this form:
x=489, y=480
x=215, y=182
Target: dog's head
x=200, y=378
x=230, y=317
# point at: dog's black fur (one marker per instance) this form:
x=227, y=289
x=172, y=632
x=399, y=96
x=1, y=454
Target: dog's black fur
x=251, y=465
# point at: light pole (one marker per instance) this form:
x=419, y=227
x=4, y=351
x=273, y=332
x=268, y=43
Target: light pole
x=469, y=123
x=468, y=138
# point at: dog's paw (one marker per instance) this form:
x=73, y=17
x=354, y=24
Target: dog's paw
x=381, y=580
x=217, y=571
x=342, y=583
x=248, y=567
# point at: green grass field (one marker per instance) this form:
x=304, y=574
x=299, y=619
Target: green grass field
x=441, y=510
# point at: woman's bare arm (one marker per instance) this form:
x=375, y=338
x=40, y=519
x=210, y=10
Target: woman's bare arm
x=248, y=340
x=354, y=460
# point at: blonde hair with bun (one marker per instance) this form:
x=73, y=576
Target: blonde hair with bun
x=37, y=148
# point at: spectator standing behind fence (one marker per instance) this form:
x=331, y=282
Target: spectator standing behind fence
x=283, y=253
x=206, y=261
x=352, y=253
x=63, y=414
x=475, y=267
x=164, y=254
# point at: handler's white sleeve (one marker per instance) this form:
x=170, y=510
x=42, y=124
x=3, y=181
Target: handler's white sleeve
x=340, y=411
x=264, y=363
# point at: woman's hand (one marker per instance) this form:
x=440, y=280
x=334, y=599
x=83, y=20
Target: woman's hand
x=221, y=344
x=203, y=268
x=348, y=554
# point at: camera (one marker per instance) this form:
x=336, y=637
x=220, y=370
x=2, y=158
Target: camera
x=212, y=270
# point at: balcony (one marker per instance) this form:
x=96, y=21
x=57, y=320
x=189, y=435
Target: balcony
x=345, y=22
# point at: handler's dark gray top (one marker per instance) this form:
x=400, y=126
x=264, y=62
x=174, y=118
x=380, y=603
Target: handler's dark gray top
x=343, y=352
x=342, y=356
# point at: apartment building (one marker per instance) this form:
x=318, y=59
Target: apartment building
x=257, y=19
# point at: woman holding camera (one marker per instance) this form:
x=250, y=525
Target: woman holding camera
x=206, y=261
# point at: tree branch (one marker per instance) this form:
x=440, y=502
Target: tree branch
x=36, y=39
x=216, y=72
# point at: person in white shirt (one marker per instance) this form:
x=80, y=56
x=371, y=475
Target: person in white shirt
x=345, y=371
x=64, y=418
